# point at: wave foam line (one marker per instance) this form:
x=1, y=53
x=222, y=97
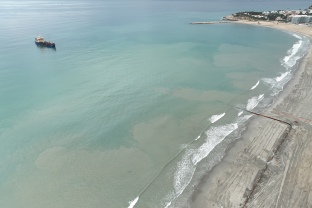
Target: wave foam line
x=240, y=113
x=278, y=79
x=253, y=102
x=168, y=204
x=273, y=82
x=184, y=172
x=290, y=59
x=297, y=36
x=173, y=194
x=255, y=85
x=187, y=165
x=133, y=202
x=214, y=136
x=215, y=118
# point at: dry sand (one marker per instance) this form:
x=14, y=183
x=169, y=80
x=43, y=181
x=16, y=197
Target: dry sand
x=271, y=165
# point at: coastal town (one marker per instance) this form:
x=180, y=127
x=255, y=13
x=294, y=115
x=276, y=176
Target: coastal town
x=290, y=16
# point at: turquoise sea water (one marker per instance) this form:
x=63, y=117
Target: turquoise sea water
x=135, y=104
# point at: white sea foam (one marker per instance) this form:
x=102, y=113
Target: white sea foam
x=243, y=118
x=291, y=59
x=297, y=36
x=298, y=50
x=255, y=85
x=240, y=113
x=214, y=136
x=168, y=204
x=215, y=118
x=275, y=82
x=280, y=78
x=184, y=172
x=168, y=199
x=187, y=165
x=253, y=102
x=269, y=81
x=133, y=202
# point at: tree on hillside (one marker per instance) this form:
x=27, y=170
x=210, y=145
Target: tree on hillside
x=273, y=16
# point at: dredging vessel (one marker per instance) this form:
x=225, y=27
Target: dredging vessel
x=41, y=42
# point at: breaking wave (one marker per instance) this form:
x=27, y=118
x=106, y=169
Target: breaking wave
x=187, y=165
x=240, y=113
x=214, y=136
x=215, y=118
x=133, y=202
x=253, y=102
x=255, y=85
x=277, y=84
x=291, y=59
x=297, y=51
x=297, y=36
x=273, y=82
x=280, y=78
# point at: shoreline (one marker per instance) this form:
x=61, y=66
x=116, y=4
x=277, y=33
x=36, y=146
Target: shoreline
x=259, y=161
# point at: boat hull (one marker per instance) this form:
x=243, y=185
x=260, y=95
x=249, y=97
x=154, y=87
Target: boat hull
x=45, y=44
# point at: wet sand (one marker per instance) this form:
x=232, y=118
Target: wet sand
x=271, y=165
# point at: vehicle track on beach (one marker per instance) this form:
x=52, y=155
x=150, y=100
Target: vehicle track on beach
x=289, y=181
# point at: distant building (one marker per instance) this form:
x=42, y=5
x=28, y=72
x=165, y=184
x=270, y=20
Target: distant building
x=301, y=19
x=266, y=13
x=294, y=12
x=278, y=19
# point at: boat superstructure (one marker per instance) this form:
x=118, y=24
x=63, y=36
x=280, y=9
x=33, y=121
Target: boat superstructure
x=41, y=42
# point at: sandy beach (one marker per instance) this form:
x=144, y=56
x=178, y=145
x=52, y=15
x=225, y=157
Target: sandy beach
x=271, y=165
